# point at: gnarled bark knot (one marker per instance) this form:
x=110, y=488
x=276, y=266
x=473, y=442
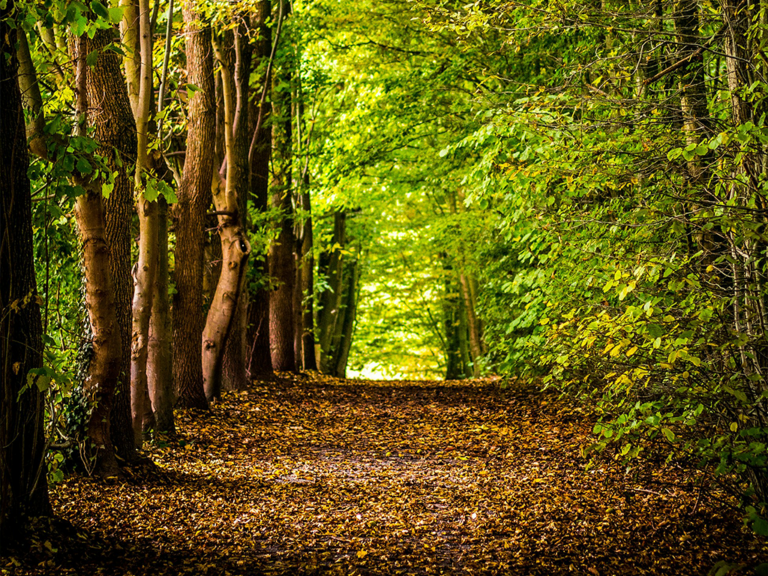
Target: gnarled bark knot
x=208, y=344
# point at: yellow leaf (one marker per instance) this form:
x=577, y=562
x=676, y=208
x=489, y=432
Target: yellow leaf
x=362, y=554
x=631, y=351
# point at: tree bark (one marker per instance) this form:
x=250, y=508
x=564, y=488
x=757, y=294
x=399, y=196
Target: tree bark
x=473, y=326
x=281, y=259
x=23, y=485
x=160, y=361
x=332, y=266
x=348, y=326
x=146, y=267
x=235, y=375
x=115, y=130
x=259, y=355
x=235, y=247
x=194, y=198
x=105, y=363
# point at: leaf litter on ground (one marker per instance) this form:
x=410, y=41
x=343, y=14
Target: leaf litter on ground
x=314, y=475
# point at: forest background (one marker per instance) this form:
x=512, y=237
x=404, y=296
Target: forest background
x=201, y=194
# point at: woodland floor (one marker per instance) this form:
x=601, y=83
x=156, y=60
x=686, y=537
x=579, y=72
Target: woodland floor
x=319, y=476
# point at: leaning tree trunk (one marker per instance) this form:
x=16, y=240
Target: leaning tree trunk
x=235, y=248
x=259, y=356
x=235, y=375
x=23, y=486
x=194, y=198
x=115, y=130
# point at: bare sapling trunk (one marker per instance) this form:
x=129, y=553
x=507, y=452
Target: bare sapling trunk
x=193, y=200
x=235, y=248
x=144, y=277
x=159, y=362
x=258, y=340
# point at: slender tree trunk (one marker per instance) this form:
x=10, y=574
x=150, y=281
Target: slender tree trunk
x=23, y=485
x=235, y=375
x=194, y=198
x=473, y=326
x=281, y=259
x=146, y=267
x=160, y=361
x=332, y=265
x=259, y=355
x=348, y=326
x=305, y=280
x=298, y=311
x=235, y=247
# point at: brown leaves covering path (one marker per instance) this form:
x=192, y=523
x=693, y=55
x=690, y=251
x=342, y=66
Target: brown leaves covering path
x=319, y=476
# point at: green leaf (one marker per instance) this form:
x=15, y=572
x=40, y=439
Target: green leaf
x=737, y=393
x=92, y=58
x=151, y=192
x=83, y=166
x=100, y=10
x=668, y=434
x=115, y=15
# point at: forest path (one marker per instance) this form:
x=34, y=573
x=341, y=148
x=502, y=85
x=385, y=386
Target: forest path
x=325, y=476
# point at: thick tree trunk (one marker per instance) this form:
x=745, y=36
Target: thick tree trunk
x=105, y=363
x=259, y=355
x=194, y=198
x=115, y=130
x=23, y=485
x=160, y=361
x=281, y=259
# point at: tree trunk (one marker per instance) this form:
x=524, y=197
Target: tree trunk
x=332, y=266
x=23, y=485
x=473, y=326
x=305, y=279
x=453, y=360
x=146, y=267
x=235, y=375
x=235, y=247
x=281, y=260
x=160, y=361
x=105, y=363
x=348, y=326
x=259, y=355
x=115, y=130
x=194, y=198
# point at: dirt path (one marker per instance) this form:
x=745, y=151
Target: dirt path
x=317, y=477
